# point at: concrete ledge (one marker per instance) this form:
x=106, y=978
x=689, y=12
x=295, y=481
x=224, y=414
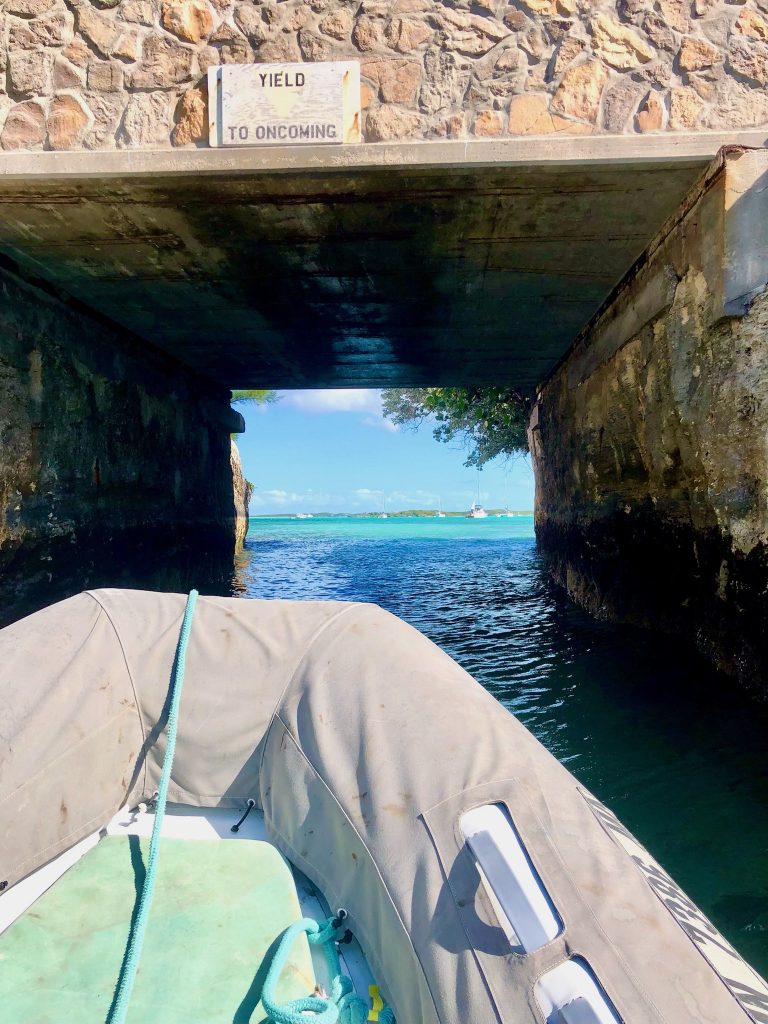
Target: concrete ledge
x=542, y=151
x=737, y=264
x=745, y=255
x=651, y=299
x=415, y=263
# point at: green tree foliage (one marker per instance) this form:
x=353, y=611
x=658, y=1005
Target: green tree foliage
x=253, y=397
x=491, y=421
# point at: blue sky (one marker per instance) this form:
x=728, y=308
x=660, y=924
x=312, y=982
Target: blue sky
x=332, y=451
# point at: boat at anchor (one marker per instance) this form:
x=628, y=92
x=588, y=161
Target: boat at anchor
x=476, y=511
x=343, y=823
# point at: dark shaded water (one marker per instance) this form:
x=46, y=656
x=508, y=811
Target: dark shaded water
x=663, y=740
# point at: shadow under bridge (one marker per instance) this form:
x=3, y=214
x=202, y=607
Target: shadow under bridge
x=370, y=266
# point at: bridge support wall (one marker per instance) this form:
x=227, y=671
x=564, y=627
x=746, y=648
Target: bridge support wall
x=650, y=440
x=114, y=459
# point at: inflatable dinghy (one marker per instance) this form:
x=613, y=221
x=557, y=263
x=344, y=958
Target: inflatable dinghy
x=355, y=830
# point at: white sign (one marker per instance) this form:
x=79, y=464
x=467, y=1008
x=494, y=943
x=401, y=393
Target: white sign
x=284, y=104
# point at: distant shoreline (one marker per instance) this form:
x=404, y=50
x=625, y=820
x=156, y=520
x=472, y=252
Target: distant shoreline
x=408, y=513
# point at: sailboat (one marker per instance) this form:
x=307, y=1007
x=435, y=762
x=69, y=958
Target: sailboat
x=440, y=514
x=476, y=510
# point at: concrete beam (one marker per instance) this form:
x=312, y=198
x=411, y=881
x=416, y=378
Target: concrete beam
x=731, y=202
x=530, y=152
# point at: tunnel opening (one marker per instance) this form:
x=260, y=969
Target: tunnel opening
x=539, y=264
x=631, y=712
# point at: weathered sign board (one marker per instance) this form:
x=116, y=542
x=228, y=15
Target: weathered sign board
x=284, y=104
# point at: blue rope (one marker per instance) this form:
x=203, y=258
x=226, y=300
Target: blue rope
x=136, y=938
x=343, y=1004
x=323, y=1010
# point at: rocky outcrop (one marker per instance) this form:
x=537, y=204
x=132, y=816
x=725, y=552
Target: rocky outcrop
x=242, y=491
x=649, y=441
x=78, y=74
x=114, y=460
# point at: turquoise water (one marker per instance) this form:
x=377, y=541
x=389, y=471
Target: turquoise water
x=667, y=743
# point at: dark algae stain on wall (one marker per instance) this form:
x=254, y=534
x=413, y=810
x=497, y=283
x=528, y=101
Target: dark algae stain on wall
x=114, y=460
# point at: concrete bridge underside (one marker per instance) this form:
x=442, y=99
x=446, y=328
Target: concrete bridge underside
x=622, y=283
x=410, y=264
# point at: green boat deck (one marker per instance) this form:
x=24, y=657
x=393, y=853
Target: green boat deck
x=218, y=908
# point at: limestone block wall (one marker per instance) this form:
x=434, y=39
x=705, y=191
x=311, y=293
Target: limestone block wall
x=114, y=460
x=98, y=74
x=650, y=442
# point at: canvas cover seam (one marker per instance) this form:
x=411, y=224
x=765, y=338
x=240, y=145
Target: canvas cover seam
x=317, y=633
x=92, y=594
x=277, y=718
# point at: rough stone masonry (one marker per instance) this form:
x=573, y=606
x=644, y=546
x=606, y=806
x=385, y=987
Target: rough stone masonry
x=100, y=74
x=650, y=440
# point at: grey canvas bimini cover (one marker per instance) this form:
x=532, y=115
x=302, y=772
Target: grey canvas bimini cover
x=364, y=744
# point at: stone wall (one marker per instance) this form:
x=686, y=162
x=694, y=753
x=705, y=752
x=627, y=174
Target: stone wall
x=650, y=442
x=114, y=460
x=98, y=74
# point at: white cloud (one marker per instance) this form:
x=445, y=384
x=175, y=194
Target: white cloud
x=413, y=496
x=381, y=423
x=273, y=497
x=466, y=497
x=407, y=499
x=294, y=499
x=353, y=400
x=364, y=499
x=334, y=400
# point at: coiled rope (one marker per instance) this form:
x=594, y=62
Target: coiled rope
x=119, y=1007
x=342, y=1005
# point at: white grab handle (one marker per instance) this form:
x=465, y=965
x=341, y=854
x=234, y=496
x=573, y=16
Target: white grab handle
x=508, y=871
